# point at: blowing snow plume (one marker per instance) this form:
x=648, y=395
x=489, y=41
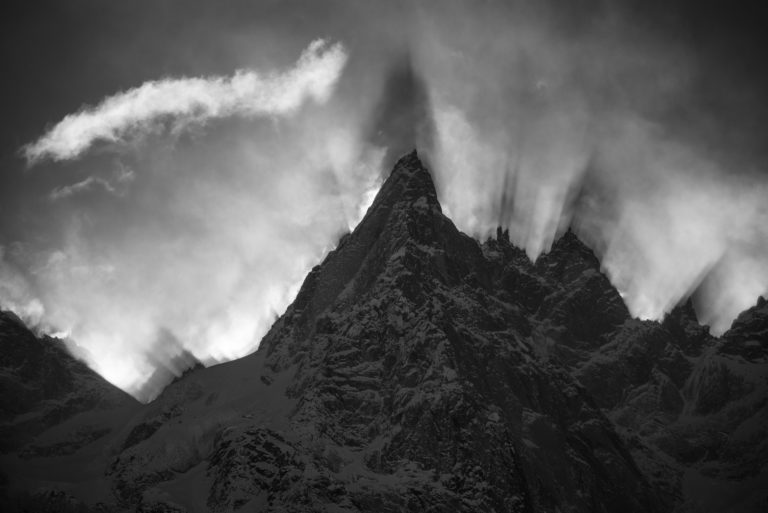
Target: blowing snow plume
x=181, y=103
x=601, y=119
x=181, y=256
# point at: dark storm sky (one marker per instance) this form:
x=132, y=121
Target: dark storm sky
x=203, y=225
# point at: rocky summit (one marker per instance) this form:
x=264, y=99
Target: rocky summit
x=420, y=370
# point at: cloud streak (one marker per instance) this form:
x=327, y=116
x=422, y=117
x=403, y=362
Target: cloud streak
x=181, y=103
x=117, y=186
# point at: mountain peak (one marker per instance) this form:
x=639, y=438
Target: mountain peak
x=414, y=349
x=405, y=209
x=409, y=181
x=408, y=161
x=418, y=370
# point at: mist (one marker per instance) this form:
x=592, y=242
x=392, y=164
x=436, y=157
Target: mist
x=600, y=127
x=164, y=234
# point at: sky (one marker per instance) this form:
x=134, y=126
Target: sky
x=170, y=170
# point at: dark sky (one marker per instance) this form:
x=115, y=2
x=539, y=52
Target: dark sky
x=202, y=225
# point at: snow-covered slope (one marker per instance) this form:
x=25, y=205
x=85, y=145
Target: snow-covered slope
x=419, y=370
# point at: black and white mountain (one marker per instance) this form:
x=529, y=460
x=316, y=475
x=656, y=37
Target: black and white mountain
x=417, y=370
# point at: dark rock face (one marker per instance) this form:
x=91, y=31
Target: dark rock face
x=53, y=410
x=412, y=357
x=418, y=370
x=692, y=408
x=42, y=385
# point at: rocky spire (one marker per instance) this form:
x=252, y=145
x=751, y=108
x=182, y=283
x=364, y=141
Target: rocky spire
x=405, y=208
x=404, y=345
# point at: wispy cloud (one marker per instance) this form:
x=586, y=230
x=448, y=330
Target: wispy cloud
x=183, y=102
x=15, y=291
x=116, y=185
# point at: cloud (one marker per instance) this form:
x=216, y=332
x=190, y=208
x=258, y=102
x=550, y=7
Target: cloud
x=601, y=127
x=207, y=247
x=16, y=292
x=193, y=101
x=116, y=186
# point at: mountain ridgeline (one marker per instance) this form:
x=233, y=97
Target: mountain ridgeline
x=420, y=370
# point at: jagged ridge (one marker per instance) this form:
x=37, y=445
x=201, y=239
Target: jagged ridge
x=420, y=370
